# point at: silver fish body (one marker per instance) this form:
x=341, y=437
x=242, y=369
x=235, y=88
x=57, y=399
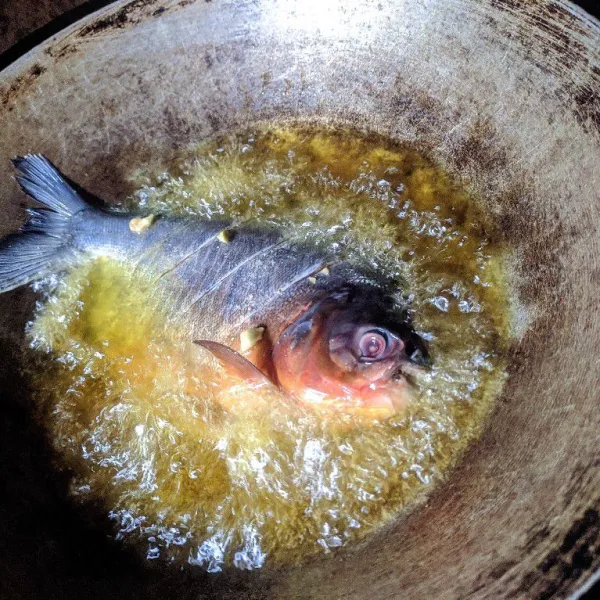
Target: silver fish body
x=215, y=286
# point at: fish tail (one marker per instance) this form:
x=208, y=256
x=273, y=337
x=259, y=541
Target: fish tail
x=45, y=241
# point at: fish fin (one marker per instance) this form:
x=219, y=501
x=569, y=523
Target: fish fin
x=43, y=182
x=235, y=363
x=43, y=244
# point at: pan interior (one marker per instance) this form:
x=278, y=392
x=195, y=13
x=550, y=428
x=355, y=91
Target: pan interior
x=193, y=467
x=503, y=95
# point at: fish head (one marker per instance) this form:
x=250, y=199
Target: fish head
x=351, y=353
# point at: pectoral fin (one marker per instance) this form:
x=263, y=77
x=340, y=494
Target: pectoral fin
x=235, y=363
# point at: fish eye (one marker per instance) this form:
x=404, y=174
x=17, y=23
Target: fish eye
x=373, y=344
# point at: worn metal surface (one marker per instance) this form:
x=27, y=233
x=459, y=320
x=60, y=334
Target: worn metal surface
x=504, y=93
x=18, y=19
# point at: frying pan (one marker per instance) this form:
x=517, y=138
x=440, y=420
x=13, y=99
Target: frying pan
x=502, y=93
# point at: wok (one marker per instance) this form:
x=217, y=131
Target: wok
x=504, y=94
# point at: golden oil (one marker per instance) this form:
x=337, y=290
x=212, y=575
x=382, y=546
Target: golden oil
x=192, y=469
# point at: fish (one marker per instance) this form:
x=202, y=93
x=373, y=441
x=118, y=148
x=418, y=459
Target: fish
x=271, y=308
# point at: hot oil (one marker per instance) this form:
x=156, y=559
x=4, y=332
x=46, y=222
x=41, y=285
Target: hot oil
x=192, y=466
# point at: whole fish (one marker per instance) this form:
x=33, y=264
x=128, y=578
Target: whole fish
x=335, y=337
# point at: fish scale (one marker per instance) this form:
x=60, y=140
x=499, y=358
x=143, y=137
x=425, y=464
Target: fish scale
x=216, y=288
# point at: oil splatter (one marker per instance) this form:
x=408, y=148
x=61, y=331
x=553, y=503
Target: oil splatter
x=194, y=471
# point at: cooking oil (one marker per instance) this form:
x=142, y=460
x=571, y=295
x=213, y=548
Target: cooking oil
x=192, y=468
